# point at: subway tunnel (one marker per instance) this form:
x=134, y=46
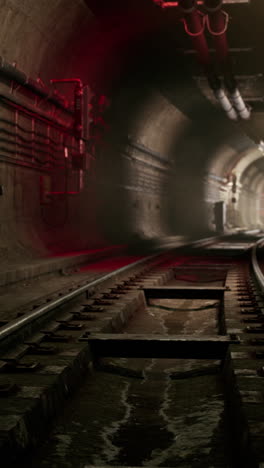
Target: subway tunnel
x=126, y=127
x=166, y=152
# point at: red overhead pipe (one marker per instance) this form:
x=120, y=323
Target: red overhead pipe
x=194, y=24
x=217, y=23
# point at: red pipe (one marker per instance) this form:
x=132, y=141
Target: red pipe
x=194, y=26
x=194, y=23
x=217, y=23
x=78, y=102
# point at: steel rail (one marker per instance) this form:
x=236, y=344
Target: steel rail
x=19, y=323
x=255, y=265
x=15, y=325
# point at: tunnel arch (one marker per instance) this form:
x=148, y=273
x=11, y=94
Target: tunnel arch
x=163, y=162
x=251, y=193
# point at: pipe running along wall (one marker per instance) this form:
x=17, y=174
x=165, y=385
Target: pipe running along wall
x=130, y=194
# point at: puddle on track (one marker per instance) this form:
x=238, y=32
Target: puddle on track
x=177, y=316
x=154, y=421
x=147, y=412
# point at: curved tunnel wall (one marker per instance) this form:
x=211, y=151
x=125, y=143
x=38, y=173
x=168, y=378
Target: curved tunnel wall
x=151, y=176
x=250, y=203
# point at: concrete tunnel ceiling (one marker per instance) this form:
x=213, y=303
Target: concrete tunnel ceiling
x=168, y=145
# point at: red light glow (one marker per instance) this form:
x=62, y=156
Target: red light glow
x=110, y=264
x=114, y=248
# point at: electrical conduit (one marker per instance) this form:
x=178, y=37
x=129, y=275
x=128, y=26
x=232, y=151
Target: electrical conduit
x=217, y=23
x=194, y=24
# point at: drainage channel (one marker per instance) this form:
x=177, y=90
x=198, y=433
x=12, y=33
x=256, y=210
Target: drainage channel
x=160, y=391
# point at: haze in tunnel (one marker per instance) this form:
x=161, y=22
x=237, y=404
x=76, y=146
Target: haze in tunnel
x=164, y=156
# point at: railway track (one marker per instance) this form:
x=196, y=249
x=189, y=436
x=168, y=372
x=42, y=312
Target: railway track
x=159, y=363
